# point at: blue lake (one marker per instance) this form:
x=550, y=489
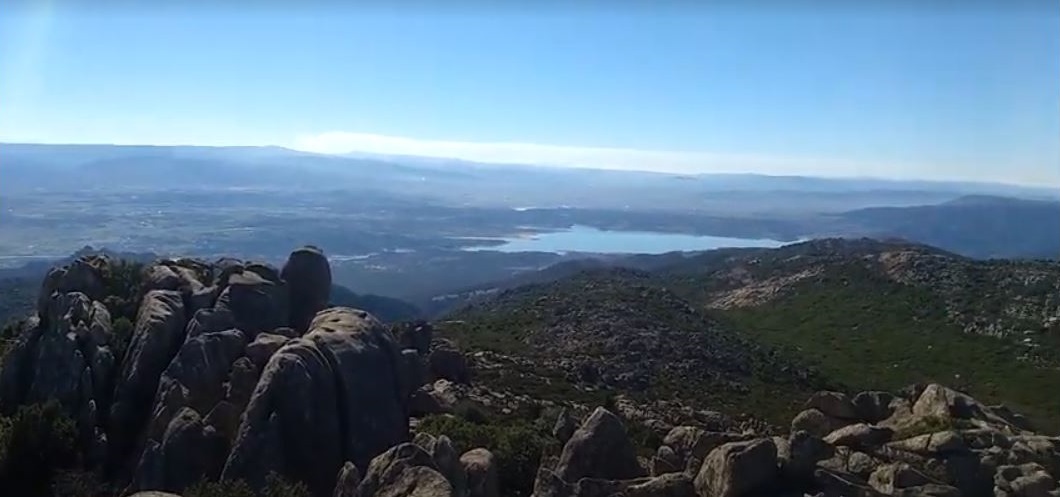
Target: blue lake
x=587, y=239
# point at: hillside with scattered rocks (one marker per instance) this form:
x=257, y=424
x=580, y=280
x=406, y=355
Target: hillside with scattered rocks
x=235, y=378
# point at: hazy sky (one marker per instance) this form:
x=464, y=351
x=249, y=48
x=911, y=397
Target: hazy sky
x=877, y=90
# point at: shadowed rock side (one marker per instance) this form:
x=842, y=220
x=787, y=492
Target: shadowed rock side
x=332, y=396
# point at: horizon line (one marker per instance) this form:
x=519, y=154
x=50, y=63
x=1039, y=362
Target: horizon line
x=348, y=153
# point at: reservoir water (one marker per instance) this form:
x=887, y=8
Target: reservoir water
x=588, y=239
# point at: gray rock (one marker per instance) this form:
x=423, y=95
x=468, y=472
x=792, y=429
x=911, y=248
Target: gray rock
x=308, y=274
x=834, y=404
x=83, y=275
x=210, y=321
x=414, y=370
x=891, y=477
x=565, y=426
x=860, y=435
x=692, y=444
x=332, y=396
x=481, y=469
x=447, y=462
x=450, y=364
x=418, y=481
x=415, y=335
x=932, y=443
x=666, y=461
x=600, y=448
x=189, y=451
x=258, y=303
x=737, y=468
x=157, y=337
x=263, y=347
x=668, y=485
x=348, y=480
x=873, y=407
x=804, y=452
x=816, y=423
x=386, y=469
x=194, y=382
x=834, y=484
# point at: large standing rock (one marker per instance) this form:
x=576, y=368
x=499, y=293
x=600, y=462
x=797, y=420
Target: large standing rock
x=804, y=450
x=83, y=275
x=565, y=426
x=692, y=444
x=189, y=451
x=332, y=396
x=481, y=470
x=736, y=468
x=258, y=300
x=446, y=362
x=937, y=401
x=65, y=357
x=447, y=462
x=415, y=335
x=156, y=339
x=600, y=448
x=193, y=383
x=308, y=275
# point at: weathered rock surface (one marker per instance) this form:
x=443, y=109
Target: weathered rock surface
x=157, y=337
x=816, y=423
x=332, y=396
x=737, y=468
x=861, y=435
x=308, y=276
x=404, y=470
x=600, y=448
x=481, y=469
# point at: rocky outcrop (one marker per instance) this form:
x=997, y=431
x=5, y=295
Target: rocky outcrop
x=158, y=335
x=308, y=276
x=347, y=482
x=600, y=448
x=67, y=357
x=446, y=362
x=481, y=469
x=404, y=470
x=177, y=436
x=84, y=275
x=816, y=422
x=415, y=335
x=329, y=397
x=258, y=299
x=737, y=468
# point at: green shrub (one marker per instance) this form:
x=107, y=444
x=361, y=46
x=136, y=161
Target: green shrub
x=34, y=443
x=79, y=483
x=517, y=445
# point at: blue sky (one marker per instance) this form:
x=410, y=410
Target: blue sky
x=880, y=90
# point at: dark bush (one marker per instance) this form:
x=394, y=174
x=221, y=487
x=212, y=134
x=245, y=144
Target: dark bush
x=275, y=486
x=35, y=443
